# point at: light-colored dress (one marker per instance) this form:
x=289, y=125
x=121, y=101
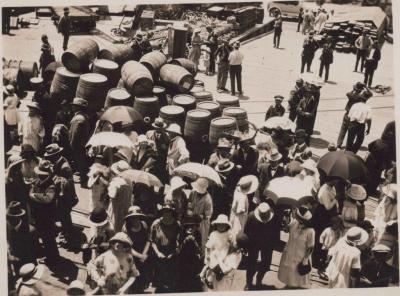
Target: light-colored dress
x=384, y=213
x=349, y=214
x=239, y=212
x=98, y=185
x=120, y=193
x=300, y=240
x=32, y=131
x=11, y=114
x=344, y=258
x=328, y=238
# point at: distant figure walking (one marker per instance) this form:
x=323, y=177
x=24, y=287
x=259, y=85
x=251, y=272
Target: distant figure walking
x=310, y=46
x=64, y=27
x=308, y=22
x=277, y=29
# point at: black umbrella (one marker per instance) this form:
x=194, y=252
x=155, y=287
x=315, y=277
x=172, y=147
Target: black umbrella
x=343, y=164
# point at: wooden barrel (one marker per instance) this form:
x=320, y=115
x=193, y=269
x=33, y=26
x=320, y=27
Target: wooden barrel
x=212, y=107
x=118, y=97
x=228, y=102
x=50, y=71
x=137, y=79
x=195, y=89
x=119, y=53
x=109, y=69
x=202, y=96
x=219, y=127
x=173, y=114
x=154, y=61
x=176, y=77
x=161, y=93
x=28, y=70
x=197, y=126
x=64, y=84
x=240, y=115
x=148, y=107
x=93, y=88
x=80, y=54
x=187, y=64
x=187, y=102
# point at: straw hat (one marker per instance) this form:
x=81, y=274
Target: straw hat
x=356, y=236
x=44, y=168
x=15, y=210
x=278, y=98
x=309, y=164
x=356, y=192
x=222, y=219
x=224, y=165
x=124, y=153
x=167, y=208
x=200, y=185
x=52, y=149
x=98, y=217
x=134, y=211
x=274, y=155
x=197, y=30
x=224, y=143
x=76, y=288
x=159, y=123
x=30, y=273
x=264, y=210
x=177, y=183
x=248, y=184
x=174, y=128
x=303, y=214
x=390, y=190
x=381, y=248
x=80, y=102
x=36, y=80
x=121, y=237
x=120, y=167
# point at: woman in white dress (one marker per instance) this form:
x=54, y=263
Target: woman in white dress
x=298, y=250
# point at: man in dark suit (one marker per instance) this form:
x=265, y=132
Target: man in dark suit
x=270, y=170
x=246, y=156
x=296, y=94
x=371, y=63
x=64, y=27
x=277, y=109
x=326, y=59
x=306, y=111
x=79, y=135
x=277, y=30
x=310, y=46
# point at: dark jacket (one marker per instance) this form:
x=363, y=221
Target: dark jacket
x=22, y=240
x=354, y=96
x=79, y=132
x=266, y=176
x=326, y=55
x=372, y=64
x=274, y=110
x=248, y=163
x=64, y=25
x=223, y=53
x=309, y=47
x=262, y=235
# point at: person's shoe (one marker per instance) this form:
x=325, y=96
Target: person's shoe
x=248, y=287
x=232, y=94
x=274, y=46
x=240, y=93
x=219, y=90
x=224, y=89
x=322, y=275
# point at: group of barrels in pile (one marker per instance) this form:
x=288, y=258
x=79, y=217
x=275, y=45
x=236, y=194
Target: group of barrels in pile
x=153, y=86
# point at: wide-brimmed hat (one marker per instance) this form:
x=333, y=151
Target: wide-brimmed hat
x=332, y=147
x=224, y=143
x=359, y=85
x=303, y=214
x=76, y=287
x=124, y=153
x=15, y=210
x=10, y=89
x=274, y=155
x=98, y=217
x=119, y=167
x=34, y=105
x=177, y=183
x=381, y=248
x=189, y=220
x=36, y=81
x=356, y=192
x=44, y=168
x=222, y=219
x=224, y=165
x=278, y=98
x=134, y=211
x=390, y=190
x=248, y=184
x=300, y=133
x=356, y=236
x=300, y=81
x=167, y=208
x=159, y=123
x=174, y=128
x=200, y=185
x=27, y=151
x=264, y=209
x=196, y=30
x=30, y=273
x=52, y=149
x=309, y=164
x=121, y=237
x=80, y=102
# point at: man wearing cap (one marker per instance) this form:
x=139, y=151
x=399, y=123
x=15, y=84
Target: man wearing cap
x=223, y=151
x=300, y=151
x=296, y=94
x=326, y=59
x=310, y=46
x=30, y=275
x=275, y=110
x=371, y=63
x=195, y=51
x=222, y=55
x=272, y=169
x=212, y=44
x=79, y=133
x=47, y=55
x=235, y=68
x=353, y=97
x=344, y=267
x=64, y=27
x=177, y=152
x=161, y=141
x=360, y=117
x=362, y=44
x=114, y=271
x=263, y=232
x=306, y=112
x=31, y=129
x=200, y=204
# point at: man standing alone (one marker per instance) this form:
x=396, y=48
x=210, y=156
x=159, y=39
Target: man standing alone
x=235, y=68
x=277, y=29
x=64, y=27
x=371, y=63
x=310, y=46
x=222, y=55
x=362, y=44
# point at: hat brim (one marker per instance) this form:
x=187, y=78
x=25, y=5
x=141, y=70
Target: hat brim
x=357, y=198
x=156, y=126
x=133, y=215
x=363, y=239
x=279, y=157
x=229, y=168
x=36, y=276
x=301, y=218
x=257, y=214
x=174, y=132
x=216, y=222
x=46, y=154
x=253, y=187
x=196, y=188
x=40, y=172
x=121, y=241
x=20, y=214
x=162, y=210
x=98, y=224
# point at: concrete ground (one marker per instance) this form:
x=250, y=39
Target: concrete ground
x=266, y=72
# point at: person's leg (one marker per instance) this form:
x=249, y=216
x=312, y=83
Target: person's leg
x=363, y=56
x=371, y=76
x=351, y=134
x=65, y=43
x=366, y=76
x=239, y=78
x=274, y=39
x=303, y=63
x=66, y=222
x=266, y=257
x=360, y=134
x=292, y=113
x=251, y=266
x=279, y=40
x=298, y=26
x=232, y=78
x=321, y=69
x=219, y=76
x=225, y=69
x=327, y=72
x=358, y=56
x=309, y=62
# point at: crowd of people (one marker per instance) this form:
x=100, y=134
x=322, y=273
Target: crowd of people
x=180, y=233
